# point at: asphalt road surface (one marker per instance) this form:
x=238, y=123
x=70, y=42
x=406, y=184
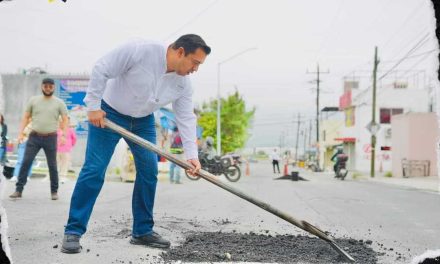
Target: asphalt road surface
x=391, y=223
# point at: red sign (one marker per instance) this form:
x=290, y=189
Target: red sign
x=345, y=100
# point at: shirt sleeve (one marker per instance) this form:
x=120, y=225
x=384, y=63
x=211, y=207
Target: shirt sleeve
x=63, y=108
x=29, y=106
x=186, y=122
x=112, y=65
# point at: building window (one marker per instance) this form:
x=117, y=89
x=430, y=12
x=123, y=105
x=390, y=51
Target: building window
x=386, y=113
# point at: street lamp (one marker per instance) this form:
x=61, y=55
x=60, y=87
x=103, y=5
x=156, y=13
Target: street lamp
x=219, y=150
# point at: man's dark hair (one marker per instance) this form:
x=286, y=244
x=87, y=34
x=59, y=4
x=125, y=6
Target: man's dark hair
x=190, y=43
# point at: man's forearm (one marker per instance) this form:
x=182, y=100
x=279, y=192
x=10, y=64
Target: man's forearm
x=23, y=124
x=64, y=126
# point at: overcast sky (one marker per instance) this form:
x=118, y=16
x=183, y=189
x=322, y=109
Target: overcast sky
x=291, y=37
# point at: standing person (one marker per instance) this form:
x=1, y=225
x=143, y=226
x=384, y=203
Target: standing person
x=275, y=160
x=177, y=149
x=21, y=148
x=44, y=110
x=127, y=86
x=3, y=140
x=208, y=148
x=64, y=148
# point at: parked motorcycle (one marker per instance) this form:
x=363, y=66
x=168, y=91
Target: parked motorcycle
x=228, y=165
x=311, y=165
x=341, y=169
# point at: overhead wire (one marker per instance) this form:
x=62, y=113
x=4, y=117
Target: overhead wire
x=418, y=45
x=191, y=20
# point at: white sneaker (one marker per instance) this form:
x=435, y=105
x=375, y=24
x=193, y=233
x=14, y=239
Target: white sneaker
x=13, y=179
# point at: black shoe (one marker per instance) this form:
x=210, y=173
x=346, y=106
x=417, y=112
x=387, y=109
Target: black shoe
x=153, y=240
x=71, y=244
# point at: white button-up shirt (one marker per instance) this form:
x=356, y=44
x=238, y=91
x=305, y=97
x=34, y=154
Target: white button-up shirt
x=132, y=79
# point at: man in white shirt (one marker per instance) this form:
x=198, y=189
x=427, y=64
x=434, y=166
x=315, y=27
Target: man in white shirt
x=275, y=160
x=126, y=86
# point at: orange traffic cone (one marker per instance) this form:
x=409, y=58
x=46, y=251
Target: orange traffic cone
x=286, y=170
x=248, y=171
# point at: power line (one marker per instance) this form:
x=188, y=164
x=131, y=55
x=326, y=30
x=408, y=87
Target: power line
x=191, y=20
x=409, y=43
x=414, y=65
x=410, y=16
x=414, y=48
x=413, y=56
x=324, y=40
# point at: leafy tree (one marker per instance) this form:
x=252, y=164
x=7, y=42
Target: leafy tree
x=235, y=121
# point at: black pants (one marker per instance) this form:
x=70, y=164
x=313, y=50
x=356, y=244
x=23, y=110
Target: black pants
x=34, y=144
x=335, y=167
x=275, y=163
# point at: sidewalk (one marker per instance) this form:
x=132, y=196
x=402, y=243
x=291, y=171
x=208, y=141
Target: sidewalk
x=430, y=183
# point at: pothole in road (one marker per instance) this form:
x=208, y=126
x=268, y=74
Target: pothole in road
x=209, y=246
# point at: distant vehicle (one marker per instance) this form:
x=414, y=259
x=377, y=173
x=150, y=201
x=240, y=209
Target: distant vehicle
x=228, y=165
x=341, y=169
x=311, y=165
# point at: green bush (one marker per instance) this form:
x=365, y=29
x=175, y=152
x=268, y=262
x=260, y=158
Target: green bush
x=356, y=175
x=388, y=174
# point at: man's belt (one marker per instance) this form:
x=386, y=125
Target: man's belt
x=43, y=134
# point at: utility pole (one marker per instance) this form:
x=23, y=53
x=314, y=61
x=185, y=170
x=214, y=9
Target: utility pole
x=373, y=112
x=305, y=141
x=317, y=111
x=297, y=137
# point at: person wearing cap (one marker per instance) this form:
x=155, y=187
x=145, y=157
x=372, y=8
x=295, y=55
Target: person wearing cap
x=126, y=86
x=44, y=111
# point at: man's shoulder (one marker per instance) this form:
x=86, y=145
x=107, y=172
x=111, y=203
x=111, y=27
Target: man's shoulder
x=185, y=82
x=35, y=99
x=148, y=44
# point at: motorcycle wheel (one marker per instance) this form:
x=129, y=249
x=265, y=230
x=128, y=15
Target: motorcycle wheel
x=193, y=178
x=233, y=173
x=344, y=175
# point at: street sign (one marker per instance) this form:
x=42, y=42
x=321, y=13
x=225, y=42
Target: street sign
x=373, y=127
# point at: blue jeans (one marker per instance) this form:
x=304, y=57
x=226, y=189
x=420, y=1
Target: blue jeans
x=2, y=155
x=174, y=171
x=101, y=143
x=20, y=155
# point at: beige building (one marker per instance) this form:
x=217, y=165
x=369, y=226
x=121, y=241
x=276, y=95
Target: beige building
x=415, y=144
x=332, y=122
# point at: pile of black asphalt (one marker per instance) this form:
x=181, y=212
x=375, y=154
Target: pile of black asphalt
x=252, y=247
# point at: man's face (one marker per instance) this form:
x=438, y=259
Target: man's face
x=189, y=63
x=47, y=89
